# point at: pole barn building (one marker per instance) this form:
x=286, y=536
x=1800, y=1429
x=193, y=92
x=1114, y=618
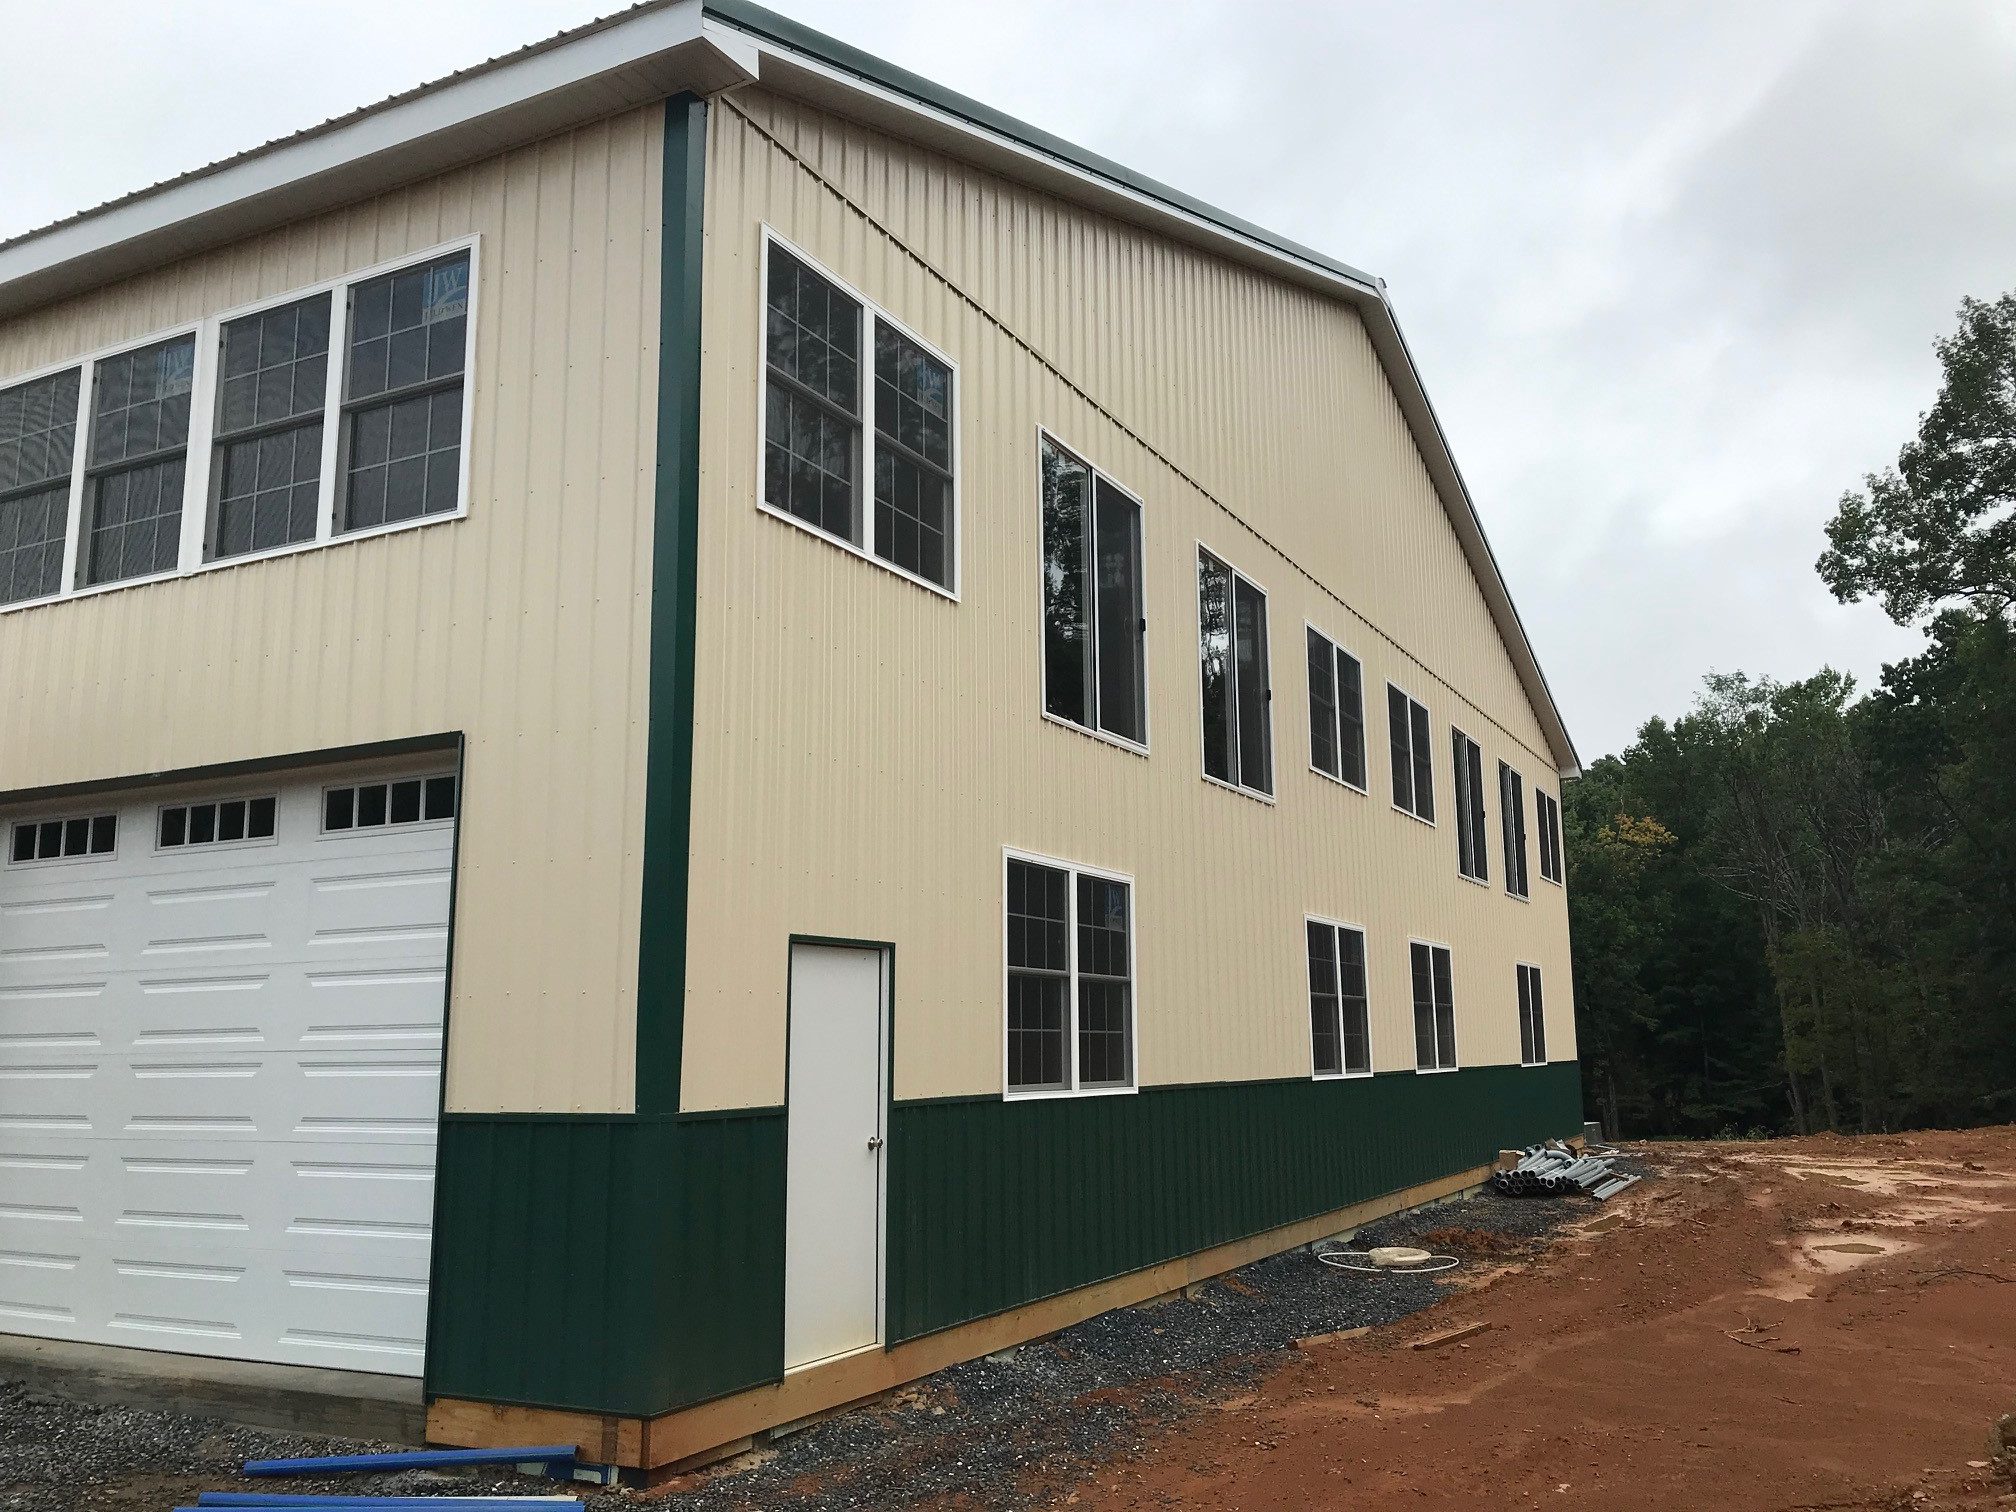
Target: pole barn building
x=688, y=727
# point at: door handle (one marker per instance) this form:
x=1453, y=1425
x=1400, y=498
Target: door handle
x=874, y=1141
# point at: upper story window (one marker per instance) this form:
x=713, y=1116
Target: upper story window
x=38, y=443
x=1070, y=1011
x=1413, y=758
x=1095, y=665
x=1512, y=801
x=1232, y=650
x=1434, y=1007
x=1472, y=858
x=1340, y=1036
x=137, y=468
x=1550, y=835
x=1532, y=1018
x=251, y=433
x=1336, y=711
x=821, y=412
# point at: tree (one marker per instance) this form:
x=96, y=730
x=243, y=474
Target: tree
x=1940, y=526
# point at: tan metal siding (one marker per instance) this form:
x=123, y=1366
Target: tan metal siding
x=864, y=748
x=524, y=625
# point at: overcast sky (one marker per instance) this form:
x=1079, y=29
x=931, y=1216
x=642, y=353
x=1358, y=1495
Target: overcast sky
x=1672, y=271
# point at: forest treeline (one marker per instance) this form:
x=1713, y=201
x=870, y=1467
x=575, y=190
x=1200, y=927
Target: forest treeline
x=1794, y=907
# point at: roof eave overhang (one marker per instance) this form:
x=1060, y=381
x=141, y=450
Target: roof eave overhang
x=632, y=61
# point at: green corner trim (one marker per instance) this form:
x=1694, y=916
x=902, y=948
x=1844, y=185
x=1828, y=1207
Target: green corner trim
x=668, y=782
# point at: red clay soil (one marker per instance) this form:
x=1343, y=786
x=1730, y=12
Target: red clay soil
x=1803, y=1324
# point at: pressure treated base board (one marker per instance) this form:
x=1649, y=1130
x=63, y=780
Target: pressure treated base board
x=688, y=1436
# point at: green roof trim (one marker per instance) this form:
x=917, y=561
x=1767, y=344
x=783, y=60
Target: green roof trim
x=832, y=52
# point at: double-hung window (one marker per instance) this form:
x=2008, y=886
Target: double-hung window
x=1434, y=1008
x=829, y=417
x=272, y=393
x=329, y=411
x=1340, y=1037
x=1472, y=858
x=1336, y=711
x=1550, y=835
x=1232, y=652
x=1413, y=756
x=1095, y=667
x=38, y=444
x=1070, y=1010
x=402, y=394
x=1532, y=1018
x=1512, y=804
x=137, y=459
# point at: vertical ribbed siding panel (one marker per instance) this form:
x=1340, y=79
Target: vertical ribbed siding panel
x=1073, y=1201
x=524, y=626
x=570, y=1294
x=867, y=748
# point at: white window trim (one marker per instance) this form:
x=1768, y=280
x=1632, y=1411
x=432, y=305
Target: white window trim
x=1560, y=877
x=1100, y=474
x=1538, y=975
x=196, y=481
x=1371, y=1060
x=1074, y=868
x=865, y=484
x=1197, y=623
x=204, y=847
x=1455, y=1041
x=1505, y=766
x=1455, y=798
x=1337, y=645
x=10, y=821
x=385, y=779
x=1417, y=703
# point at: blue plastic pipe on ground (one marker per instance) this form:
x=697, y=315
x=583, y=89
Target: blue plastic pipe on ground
x=392, y=1502
x=416, y=1459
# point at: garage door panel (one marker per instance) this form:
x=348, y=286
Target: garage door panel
x=219, y=1089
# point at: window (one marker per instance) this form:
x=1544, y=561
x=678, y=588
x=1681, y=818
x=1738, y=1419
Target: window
x=1095, y=666
x=38, y=442
x=1532, y=1018
x=1550, y=835
x=1472, y=857
x=323, y=413
x=817, y=409
x=1339, y=1034
x=63, y=839
x=372, y=805
x=1512, y=803
x=1232, y=648
x=1434, y=1009
x=222, y=822
x=139, y=450
x=1336, y=711
x=266, y=471
x=1413, y=760
x=1070, y=1011
x=402, y=394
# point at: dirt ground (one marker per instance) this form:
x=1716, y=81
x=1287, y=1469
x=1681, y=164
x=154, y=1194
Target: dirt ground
x=1804, y=1324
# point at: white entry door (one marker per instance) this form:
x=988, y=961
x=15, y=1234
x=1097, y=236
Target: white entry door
x=833, y=1169
x=220, y=1062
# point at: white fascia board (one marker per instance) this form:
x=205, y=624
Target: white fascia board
x=628, y=63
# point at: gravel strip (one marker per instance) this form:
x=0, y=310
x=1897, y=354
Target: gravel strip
x=983, y=1432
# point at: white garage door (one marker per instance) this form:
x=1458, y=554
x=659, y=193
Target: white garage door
x=220, y=1060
